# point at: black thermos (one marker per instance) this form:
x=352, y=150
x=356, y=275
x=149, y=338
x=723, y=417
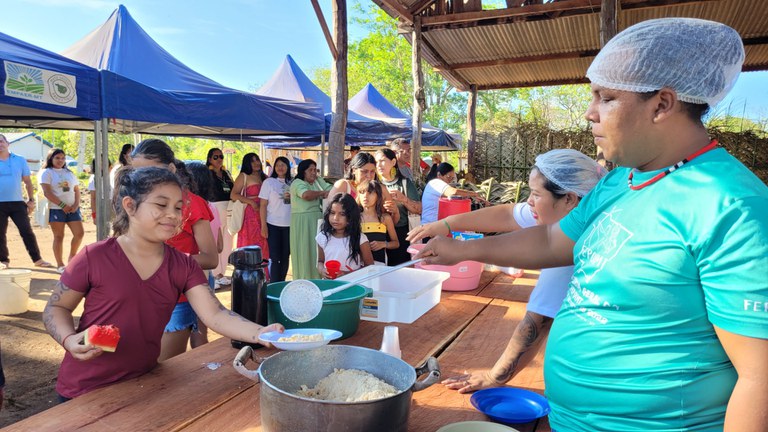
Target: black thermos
x=249, y=288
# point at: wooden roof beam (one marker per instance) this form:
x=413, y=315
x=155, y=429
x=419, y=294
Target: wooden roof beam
x=440, y=64
x=324, y=27
x=420, y=7
x=443, y=68
x=518, y=60
x=538, y=12
x=533, y=84
x=394, y=8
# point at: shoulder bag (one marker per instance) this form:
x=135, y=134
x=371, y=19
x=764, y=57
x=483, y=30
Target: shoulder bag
x=236, y=212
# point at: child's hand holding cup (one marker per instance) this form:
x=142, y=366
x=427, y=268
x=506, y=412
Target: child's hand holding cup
x=332, y=267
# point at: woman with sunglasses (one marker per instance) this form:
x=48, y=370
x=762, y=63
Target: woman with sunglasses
x=222, y=183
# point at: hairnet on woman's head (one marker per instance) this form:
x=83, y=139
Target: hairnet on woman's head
x=699, y=59
x=570, y=170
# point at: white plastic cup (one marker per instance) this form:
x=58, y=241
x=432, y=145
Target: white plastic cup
x=390, y=343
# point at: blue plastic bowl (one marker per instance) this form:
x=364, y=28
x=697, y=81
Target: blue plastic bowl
x=510, y=405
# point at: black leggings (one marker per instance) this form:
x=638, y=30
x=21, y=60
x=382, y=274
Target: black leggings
x=399, y=255
x=279, y=241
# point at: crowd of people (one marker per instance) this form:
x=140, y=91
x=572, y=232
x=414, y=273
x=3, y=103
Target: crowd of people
x=170, y=236
x=655, y=283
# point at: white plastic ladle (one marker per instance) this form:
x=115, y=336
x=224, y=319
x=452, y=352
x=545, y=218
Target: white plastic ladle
x=301, y=300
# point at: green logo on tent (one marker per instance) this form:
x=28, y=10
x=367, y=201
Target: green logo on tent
x=25, y=79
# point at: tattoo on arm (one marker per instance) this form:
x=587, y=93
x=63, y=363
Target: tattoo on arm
x=222, y=308
x=525, y=338
x=48, y=319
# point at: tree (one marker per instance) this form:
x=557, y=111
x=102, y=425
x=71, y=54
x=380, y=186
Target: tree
x=383, y=58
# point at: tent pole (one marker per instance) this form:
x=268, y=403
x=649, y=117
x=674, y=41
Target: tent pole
x=103, y=192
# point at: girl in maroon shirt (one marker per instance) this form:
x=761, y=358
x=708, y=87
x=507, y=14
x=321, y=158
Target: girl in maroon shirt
x=132, y=281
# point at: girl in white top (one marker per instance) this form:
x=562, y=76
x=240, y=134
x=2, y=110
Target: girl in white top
x=341, y=238
x=61, y=189
x=558, y=180
x=438, y=185
x=275, y=210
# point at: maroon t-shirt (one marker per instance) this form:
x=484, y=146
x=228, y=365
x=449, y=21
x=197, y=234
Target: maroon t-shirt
x=115, y=294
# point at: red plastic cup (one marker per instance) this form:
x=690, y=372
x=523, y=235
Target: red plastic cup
x=332, y=267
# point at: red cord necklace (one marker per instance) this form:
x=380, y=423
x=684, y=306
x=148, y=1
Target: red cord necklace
x=669, y=170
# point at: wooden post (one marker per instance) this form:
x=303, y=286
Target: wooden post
x=471, y=128
x=609, y=26
x=419, y=100
x=609, y=20
x=339, y=91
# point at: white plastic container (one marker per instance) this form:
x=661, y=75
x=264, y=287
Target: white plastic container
x=14, y=291
x=401, y=296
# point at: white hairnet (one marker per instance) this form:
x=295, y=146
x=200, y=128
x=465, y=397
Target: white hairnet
x=570, y=170
x=698, y=59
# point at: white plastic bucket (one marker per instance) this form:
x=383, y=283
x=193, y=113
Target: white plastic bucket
x=14, y=291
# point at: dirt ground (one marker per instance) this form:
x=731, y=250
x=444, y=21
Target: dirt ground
x=30, y=356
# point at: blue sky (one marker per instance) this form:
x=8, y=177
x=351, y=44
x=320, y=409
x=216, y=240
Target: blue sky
x=240, y=43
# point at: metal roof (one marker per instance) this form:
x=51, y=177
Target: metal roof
x=552, y=43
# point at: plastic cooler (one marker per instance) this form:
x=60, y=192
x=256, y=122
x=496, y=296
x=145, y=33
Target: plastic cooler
x=465, y=275
x=401, y=296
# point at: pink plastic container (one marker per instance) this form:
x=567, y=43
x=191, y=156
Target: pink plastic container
x=465, y=276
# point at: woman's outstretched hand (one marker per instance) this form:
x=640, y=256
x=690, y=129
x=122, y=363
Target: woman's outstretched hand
x=433, y=229
x=270, y=328
x=470, y=382
x=443, y=251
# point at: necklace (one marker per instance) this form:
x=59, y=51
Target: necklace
x=669, y=170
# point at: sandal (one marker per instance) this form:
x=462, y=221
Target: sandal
x=61, y=269
x=44, y=264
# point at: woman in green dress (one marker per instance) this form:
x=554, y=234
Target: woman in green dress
x=307, y=193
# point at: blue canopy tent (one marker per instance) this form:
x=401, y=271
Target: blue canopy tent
x=290, y=82
x=42, y=89
x=370, y=103
x=146, y=90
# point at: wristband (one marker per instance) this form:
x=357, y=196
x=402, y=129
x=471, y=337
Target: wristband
x=61, y=204
x=447, y=226
x=64, y=342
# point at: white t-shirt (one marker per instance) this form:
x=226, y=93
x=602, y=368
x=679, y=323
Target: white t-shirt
x=548, y=294
x=113, y=175
x=431, y=198
x=63, y=183
x=337, y=249
x=92, y=183
x=278, y=212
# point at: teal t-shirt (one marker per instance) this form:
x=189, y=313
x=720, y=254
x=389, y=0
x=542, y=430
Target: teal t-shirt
x=633, y=347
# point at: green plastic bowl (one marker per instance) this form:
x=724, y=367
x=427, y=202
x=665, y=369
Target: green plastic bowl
x=341, y=311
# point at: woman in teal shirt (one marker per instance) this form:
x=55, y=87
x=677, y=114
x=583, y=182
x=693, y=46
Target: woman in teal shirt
x=664, y=325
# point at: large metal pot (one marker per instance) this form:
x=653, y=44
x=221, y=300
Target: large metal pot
x=282, y=375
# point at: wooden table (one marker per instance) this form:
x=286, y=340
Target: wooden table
x=187, y=393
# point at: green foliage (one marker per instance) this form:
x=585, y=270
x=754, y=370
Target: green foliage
x=383, y=58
